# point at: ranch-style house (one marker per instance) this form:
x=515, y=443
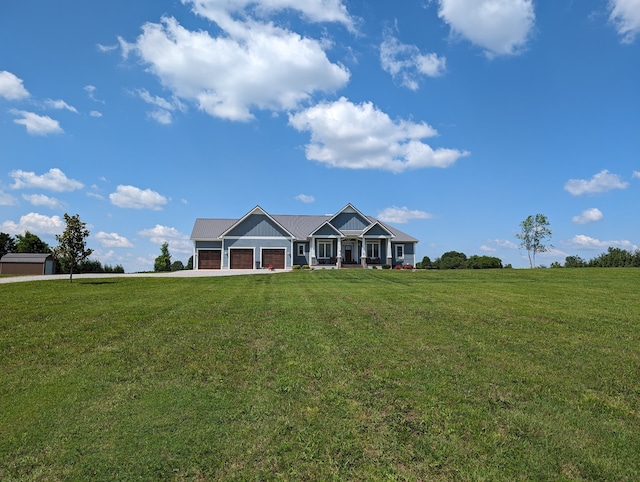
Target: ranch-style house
x=261, y=240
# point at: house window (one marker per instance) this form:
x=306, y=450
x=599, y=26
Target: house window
x=300, y=249
x=399, y=251
x=325, y=249
x=373, y=249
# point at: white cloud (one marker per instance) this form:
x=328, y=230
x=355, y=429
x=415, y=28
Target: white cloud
x=602, y=182
x=501, y=27
x=625, y=15
x=91, y=92
x=589, y=216
x=161, y=116
x=59, y=104
x=42, y=200
x=406, y=64
x=54, y=180
x=35, y=223
x=95, y=113
x=312, y=10
x=251, y=65
x=178, y=241
x=135, y=198
x=353, y=136
x=487, y=249
x=582, y=241
x=37, y=125
x=11, y=87
x=401, y=215
x=505, y=243
x=636, y=174
x=7, y=199
x=305, y=198
x=112, y=240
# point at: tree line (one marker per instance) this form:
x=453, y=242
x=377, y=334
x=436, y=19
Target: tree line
x=458, y=260
x=613, y=258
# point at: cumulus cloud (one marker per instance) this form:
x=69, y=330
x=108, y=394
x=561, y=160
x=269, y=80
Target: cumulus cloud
x=352, y=136
x=505, y=243
x=625, y=15
x=589, y=216
x=602, y=182
x=487, y=249
x=60, y=104
x=250, y=66
x=112, y=240
x=582, y=241
x=42, y=200
x=7, y=199
x=132, y=197
x=11, y=87
x=54, y=180
x=311, y=10
x=401, y=215
x=95, y=113
x=305, y=198
x=159, y=234
x=636, y=174
x=37, y=125
x=34, y=223
x=501, y=27
x=406, y=64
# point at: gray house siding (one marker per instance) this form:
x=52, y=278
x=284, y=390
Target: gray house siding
x=350, y=222
x=301, y=260
x=257, y=245
x=257, y=225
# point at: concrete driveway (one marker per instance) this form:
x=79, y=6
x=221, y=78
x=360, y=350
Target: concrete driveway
x=175, y=274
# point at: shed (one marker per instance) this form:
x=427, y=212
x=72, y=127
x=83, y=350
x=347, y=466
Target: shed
x=27, y=263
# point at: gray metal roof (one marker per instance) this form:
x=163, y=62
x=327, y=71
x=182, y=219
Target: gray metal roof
x=301, y=226
x=25, y=257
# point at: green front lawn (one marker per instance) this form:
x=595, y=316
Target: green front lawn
x=344, y=375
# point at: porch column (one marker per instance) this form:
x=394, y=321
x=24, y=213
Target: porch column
x=363, y=253
x=339, y=257
x=389, y=253
x=312, y=251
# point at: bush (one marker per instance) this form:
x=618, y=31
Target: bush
x=407, y=266
x=386, y=266
x=306, y=266
x=295, y=266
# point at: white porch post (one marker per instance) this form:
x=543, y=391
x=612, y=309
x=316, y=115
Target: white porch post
x=339, y=257
x=363, y=253
x=312, y=251
x=389, y=253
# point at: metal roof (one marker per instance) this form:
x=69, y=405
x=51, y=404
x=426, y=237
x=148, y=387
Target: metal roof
x=25, y=257
x=301, y=226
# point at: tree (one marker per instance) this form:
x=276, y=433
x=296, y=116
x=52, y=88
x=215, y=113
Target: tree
x=453, y=260
x=534, y=233
x=163, y=262
x=177, y=266
x=7, y=244
x=189, y=263
x=72, y=244
x=31, y=243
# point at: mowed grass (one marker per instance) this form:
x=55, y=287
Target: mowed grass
x=325, y=375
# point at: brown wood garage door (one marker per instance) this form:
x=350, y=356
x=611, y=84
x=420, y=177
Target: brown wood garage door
x=273, y=257
x=209, y=259
x=241, y=258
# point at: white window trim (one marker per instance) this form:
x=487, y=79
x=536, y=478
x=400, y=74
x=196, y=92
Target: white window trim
x=399, y=247
x=301, y=251
x=325, y=243
x=373, y=243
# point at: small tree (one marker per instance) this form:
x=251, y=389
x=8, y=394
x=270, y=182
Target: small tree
x=7, y=244
x=534, y=233
x=72, y=244
x=163, y=262
x=177, y=266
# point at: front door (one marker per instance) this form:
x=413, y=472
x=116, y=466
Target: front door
x=348, y=254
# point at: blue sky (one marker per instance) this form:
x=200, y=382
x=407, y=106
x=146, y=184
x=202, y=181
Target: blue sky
x=452, y=120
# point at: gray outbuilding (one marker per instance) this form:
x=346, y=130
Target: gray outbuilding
x=27, y=264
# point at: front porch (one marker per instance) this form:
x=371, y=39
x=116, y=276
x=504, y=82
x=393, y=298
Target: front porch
x=337, y=263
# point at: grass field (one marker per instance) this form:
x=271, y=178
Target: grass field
x=325, y=375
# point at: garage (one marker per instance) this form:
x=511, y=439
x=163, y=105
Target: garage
x=273, y=257
x=209, y=259
x=241, y=258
